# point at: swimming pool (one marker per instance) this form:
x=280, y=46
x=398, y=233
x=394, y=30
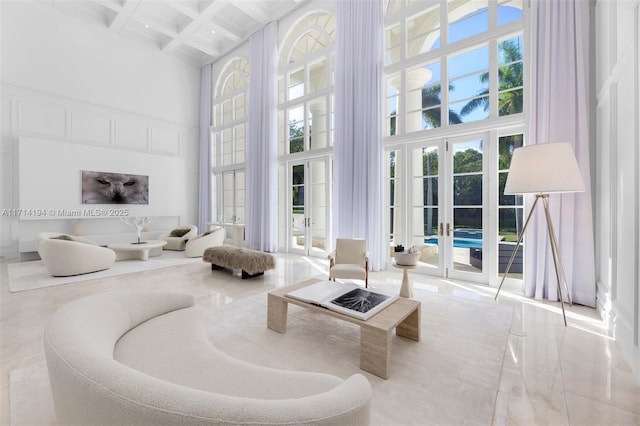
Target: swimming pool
x=462, y=238
x=458, y=242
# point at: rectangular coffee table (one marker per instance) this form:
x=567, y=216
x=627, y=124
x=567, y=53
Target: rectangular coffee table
x=375, y=333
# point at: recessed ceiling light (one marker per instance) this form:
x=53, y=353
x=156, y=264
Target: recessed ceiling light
x=147, y=26
x=213, y=31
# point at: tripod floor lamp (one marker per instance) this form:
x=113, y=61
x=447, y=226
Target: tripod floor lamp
x=543, y=169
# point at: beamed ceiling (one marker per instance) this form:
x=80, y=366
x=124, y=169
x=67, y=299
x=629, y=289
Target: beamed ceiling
x=196, y=31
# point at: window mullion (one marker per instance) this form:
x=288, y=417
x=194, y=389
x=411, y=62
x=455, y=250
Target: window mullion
x=444, y=93
x=493, y=79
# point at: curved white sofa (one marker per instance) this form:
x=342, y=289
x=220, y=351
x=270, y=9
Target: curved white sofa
x=72, y=256
x=196, y=246
x=144, y=358
x=178, y=242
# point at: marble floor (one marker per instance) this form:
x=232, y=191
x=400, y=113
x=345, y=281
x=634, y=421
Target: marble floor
x=551, y=374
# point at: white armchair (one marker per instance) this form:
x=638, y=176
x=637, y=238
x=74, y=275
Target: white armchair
x=197, y=245
x=350, y=260
x=177, y=238
x=65, y=255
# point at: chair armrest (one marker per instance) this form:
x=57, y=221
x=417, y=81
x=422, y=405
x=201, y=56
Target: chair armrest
x=331, y=255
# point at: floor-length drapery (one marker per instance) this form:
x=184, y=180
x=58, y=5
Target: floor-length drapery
x=559, y=112
x=204, y=172
x=261, y=225
x=358, y=152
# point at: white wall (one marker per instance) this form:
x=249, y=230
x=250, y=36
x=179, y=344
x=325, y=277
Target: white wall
x=67, y=81
x=617, y=199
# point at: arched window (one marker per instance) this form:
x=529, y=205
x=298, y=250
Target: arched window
x=455, y=90
x=230, y=112
x=229, y=140
x=305, y=84
x=452, y=62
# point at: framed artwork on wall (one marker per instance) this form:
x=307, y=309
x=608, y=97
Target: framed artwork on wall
x=114, y=188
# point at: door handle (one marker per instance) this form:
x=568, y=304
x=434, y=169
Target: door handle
x=448, y=229
x=441, y=229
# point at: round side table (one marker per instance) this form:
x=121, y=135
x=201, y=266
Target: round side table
x=406, y=289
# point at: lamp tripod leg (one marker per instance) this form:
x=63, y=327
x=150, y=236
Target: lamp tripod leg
x=557, y=262
x=515, y=250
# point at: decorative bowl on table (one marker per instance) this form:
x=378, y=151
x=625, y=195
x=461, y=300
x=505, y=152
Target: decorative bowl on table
x=406, y=259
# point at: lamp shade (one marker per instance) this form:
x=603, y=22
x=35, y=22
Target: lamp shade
x=543, y=169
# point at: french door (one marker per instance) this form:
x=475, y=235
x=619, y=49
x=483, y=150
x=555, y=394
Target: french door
x=447, y=198
x=309, y=209
x=465, y=226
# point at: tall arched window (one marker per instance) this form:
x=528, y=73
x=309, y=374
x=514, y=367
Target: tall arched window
x=305, y=88
x=229, y=140
x=305, y=84
x=452, y=62
x=455, y=91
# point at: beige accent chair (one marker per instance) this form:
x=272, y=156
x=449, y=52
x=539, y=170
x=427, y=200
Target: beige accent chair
x=197, y=245
x=65, y=255
x=177, y=238
x=146, y=358
x=350, y=260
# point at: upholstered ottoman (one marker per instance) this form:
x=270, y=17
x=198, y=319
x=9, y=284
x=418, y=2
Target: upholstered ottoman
x=252, y=262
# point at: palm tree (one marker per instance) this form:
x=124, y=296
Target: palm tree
x=510, y=76
x=431, y=98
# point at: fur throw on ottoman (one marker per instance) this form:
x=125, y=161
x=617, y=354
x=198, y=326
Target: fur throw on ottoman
x=252, y=262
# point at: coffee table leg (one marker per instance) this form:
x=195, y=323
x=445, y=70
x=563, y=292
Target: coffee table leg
x=277, y=314
x=144, y=255
x=375, y=351
x=410, y=327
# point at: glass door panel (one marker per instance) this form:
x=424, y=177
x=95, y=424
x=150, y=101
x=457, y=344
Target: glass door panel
x=425, y=211
x=510, y=211
x=309, y=207
x=233, y=202
x=317, y=215
x=394, y=200
x=466, y=218
x=298, y=220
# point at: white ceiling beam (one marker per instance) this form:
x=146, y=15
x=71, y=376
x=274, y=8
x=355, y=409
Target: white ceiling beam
x=125, y=13
x=182, y=8
x=203, y=47
x=254, y=11
x=191, y=27
x=224, y=30
x=155, y=25
x=110, y=5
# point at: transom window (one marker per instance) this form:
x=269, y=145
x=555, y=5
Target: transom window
x=230, y=114
x=469, y=70
x=305, y=85
x=229, y=133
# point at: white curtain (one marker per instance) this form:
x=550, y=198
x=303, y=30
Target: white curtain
x=204, y=186
x=559, y=106
x=358, y=153
x=261, y=227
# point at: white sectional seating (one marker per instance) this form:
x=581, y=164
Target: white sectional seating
x=65, y=255
x=177, y=238
x=197, y=245
x=144, y=358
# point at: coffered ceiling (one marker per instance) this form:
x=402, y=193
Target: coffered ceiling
x=197, y=31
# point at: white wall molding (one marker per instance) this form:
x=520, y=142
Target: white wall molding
x=39, y=114
x=618, y=160
x=25, y=92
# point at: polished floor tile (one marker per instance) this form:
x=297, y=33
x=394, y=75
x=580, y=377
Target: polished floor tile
x=551, y=374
